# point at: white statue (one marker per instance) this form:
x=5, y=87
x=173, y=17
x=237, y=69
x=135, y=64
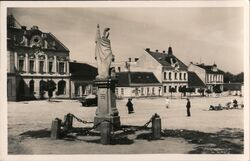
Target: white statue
x=103, y=54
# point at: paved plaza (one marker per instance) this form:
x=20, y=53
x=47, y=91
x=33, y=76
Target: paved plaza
x=29, y=125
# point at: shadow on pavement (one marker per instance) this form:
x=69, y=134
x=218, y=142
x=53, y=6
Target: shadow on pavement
x=226, y=141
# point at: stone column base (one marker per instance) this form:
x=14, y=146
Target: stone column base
x=115, y=122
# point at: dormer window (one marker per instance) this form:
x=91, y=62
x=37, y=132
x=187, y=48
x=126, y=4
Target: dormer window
x=214, y=68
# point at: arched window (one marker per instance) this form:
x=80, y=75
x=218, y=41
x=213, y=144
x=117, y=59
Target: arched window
x=165, y=75
x=61, y=87
x=31, y=85
x=184, y=75
x=42, y=87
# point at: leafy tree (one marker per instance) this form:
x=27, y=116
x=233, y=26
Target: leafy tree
x=201, y=91
x=51, y=86
x=217, y=90
x=208, y=91
x=190, y=90
x=183, y=90
x=171, y=90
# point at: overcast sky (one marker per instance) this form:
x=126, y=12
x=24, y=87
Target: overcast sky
x=205, y=35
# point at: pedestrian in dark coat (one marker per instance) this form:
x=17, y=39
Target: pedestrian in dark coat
x=130, y=106
x=188, y=106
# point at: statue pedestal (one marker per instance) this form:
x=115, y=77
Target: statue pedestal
x=106, y=109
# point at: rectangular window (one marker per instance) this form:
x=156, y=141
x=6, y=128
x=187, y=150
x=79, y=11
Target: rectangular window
x=41, y=65
x=153, y=91
x=180, y=76
x=147, y=91
x=165, y=75
x=142, y=91
x=165, y=89
x=50, y=67
x=122, y=91
x=31, y=69
x=175, y=76
x=21, y=65
x=184, y=76
x=61, y=67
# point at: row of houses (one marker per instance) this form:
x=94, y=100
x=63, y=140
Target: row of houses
x=36, y=57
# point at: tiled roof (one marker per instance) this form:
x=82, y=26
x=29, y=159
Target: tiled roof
x=82, y=71
x=142, y=78
x=233, y=86
x=15, y=37
x=209, y=68
x=194, y=80
x=165, y=59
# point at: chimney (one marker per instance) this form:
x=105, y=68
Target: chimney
x=136, y=59
x=147, y=49
x=170, y=52
x=24, y=27
x=129, y=59
x=156, y=50
x=34, y=28
x=164, y=51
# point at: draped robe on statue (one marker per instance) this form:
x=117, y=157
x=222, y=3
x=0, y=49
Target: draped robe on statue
x=103, y=54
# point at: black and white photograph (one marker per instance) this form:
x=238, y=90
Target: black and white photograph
x=130, y=80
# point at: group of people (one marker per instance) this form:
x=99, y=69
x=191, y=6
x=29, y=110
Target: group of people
x=167, y=101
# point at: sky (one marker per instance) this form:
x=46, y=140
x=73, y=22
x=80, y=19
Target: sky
x=208, y=35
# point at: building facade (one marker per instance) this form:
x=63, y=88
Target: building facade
x=168, y=69
x=82, y=79
x=211, y=76
x=137, y=84
x=34, y=59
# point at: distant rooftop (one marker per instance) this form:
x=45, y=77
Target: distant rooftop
x=167, y=59
x=126, y=79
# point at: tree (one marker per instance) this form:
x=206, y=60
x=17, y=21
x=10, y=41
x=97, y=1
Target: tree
x=190, y=90
x=201, y=91
x=171, y=90
x=183, y=90
x=51, y=86
x=208, y=91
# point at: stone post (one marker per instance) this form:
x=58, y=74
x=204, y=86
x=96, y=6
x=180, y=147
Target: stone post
x=68, y=122
x=156, y=127
x=105, y=133
x=55, y=129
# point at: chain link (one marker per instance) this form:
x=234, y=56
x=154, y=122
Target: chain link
x=125, y=130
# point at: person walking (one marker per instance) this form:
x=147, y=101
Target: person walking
x=167, y=102
x=188, y=106
x=130, y=106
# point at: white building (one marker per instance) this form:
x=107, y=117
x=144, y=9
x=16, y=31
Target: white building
x=168, y=69
x=137, y=84
x=211, y=76
x=34, y=58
